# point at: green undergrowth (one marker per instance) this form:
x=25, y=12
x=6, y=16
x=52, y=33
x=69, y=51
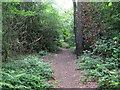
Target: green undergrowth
x=102, y=70
x=28, y=73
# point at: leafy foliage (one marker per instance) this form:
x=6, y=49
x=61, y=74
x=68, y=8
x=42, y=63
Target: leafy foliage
x=42, y=53
x=102, y=62
x=91, y=24
x=29, y=27
x=28, y=73
x=38, y=27
x=98, y=69
x=66, y=32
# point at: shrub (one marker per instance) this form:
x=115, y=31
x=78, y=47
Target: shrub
x=26, y=74
x=99, y=69
x=36, y=27
x=107, y=47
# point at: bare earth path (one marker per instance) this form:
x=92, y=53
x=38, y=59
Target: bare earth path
x=65, y=70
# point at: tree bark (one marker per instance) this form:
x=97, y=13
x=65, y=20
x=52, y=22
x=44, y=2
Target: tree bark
x=78, y=27
x=75, y=20
x=79, y=30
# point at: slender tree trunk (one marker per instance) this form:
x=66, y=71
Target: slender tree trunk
x=75, y=20
x=79, y=32
x=78, y=28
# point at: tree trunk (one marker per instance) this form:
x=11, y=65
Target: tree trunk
x=75, y=20
x=78, y=28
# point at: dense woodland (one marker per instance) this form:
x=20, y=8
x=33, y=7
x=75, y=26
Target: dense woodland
x=33, y=29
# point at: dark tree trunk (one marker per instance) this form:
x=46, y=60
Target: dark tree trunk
x=78, y=28
x=79, y=32
x=75, y=20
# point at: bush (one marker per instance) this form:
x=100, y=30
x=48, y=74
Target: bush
x=29, y=27
x=102, y=63
x=99, y=69
x=107, y=47
x=26, y=74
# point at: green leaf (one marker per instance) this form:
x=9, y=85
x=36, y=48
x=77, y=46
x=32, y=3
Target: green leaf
x=110, y=4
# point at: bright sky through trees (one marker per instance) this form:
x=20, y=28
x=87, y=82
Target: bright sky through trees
x=63, y=4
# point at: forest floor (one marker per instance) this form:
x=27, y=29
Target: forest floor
x=65, y=70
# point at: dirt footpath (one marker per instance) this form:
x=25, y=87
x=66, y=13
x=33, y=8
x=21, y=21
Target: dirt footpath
x=65, y=70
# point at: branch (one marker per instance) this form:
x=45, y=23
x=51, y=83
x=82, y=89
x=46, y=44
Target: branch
x=36, y=40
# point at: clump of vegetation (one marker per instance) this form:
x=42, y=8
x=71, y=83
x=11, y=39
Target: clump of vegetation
x=102, y=69
x=29, y=27
x=101, y=62
x=42, y=53
x=29, y=73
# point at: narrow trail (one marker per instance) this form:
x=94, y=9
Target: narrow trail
x=65, y=70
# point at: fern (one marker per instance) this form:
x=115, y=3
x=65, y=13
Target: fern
x=29, y=73
x=4, y=84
